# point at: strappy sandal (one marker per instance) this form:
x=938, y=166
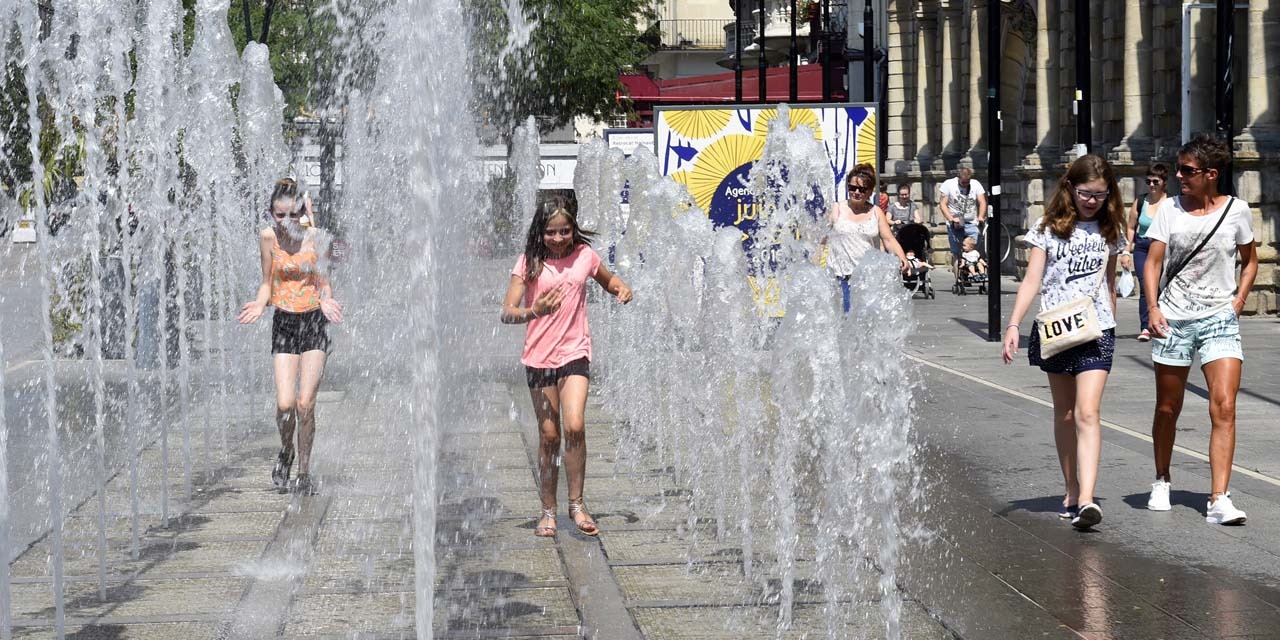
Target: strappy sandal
x=586, y=526
x=546, y=532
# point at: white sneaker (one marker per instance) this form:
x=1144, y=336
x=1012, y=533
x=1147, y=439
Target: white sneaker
x=1159, y=500
x=1221, y=511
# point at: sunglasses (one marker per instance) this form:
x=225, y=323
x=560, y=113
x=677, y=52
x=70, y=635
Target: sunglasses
x=853, y=188
x=1188, y=170
x=1092, y=196
x=1154, y=181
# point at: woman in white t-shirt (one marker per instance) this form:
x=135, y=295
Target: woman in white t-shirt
x=1073, y=255
x=1194, y=301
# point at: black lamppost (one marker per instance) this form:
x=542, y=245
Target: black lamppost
x=763, y=65
x=795, y=57
x=993, y=53
x=1224, y=122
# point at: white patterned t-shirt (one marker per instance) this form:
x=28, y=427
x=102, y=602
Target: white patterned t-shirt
x=1208, y=283
x=1072, y=267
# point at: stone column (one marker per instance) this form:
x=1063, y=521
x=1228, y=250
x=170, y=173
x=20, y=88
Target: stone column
x=900, y=102
x=926, y=121
x=1262, y=87
x=1135, y=146
x=978, y=79
x=1047, y=103
x=952, y=79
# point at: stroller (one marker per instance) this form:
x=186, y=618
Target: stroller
x=915, y=238
x=965, y=280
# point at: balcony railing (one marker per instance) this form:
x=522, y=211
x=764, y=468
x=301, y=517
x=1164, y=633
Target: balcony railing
x=693, y=34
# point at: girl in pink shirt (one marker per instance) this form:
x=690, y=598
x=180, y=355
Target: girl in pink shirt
x=548, y=291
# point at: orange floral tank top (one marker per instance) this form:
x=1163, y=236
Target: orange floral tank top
x=295, y=279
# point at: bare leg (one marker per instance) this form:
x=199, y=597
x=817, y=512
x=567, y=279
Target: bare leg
x=1063, y=389
x=286, y=376
x=308, y=384
x=1223, y=378
x=546, y=405
x=573, y=406
x=1089, y=387
x=1171, y=387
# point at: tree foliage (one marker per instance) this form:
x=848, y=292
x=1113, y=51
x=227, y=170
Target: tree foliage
x=570, y=67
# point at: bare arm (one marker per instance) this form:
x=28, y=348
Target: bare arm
x=982, y=207
x=946, y=210
x=254, y=309
x=1131, y=235
x=917, y=214
x=1151, y=286
x=1248, y=273
x=1026, y=293
x=1111, y=282
x=887, y=242
x=613, y=284
x=512, y=313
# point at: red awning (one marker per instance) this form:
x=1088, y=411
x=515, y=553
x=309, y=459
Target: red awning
x=720, y=87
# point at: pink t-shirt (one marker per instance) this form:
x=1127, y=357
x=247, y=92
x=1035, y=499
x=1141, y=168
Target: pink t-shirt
x=562, y=336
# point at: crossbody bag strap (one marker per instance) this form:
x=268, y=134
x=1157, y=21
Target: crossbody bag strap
x=1174, y=273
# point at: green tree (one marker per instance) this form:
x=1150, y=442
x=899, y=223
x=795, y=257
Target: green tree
x=570, y=67
x=301, y=36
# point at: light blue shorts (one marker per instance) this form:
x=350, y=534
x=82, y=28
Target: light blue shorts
x=1215, y=337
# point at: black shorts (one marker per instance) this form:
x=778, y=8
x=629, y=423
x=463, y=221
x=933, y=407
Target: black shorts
x=539, y=378
x=298, y=333
x=1090, y=356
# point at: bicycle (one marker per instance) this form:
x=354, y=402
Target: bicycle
x=1006, y=239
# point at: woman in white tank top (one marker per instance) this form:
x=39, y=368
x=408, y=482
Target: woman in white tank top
x=856, y=227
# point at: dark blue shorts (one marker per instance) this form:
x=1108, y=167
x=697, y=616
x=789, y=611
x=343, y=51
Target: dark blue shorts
x=1090, y=356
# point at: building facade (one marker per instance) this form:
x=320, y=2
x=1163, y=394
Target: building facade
x=1152, y=80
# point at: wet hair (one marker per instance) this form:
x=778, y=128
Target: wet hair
x=1159, y=170
x=1060, y=214
x=285, y=189
x=1208, y=151
x=862, y=172
x=535, y=250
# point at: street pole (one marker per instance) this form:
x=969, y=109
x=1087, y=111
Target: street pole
x=737, y=52
x=795, y=57
x=763, y=65
x=1084, y=99
x=868, y=47
x=824, y=40
x=994, y=52
x=1224, y=123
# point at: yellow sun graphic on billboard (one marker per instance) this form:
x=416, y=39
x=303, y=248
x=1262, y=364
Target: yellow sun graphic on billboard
x=806, y=117
x=867, y=140
x=696, y=124
x=720, y=159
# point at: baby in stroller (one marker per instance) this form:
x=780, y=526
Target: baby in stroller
x=915, y=240
x=972, y=262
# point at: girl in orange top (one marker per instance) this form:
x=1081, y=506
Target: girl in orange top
x=293, y=283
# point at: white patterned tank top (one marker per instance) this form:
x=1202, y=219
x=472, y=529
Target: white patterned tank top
x=850, y=239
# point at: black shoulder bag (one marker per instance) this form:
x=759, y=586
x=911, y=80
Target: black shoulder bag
x=1174, y=273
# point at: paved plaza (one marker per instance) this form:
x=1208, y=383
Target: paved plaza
x=993, y=560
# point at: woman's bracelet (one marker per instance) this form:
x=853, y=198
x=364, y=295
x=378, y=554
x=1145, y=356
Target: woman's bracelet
x=1015, y=325
x=532, y=312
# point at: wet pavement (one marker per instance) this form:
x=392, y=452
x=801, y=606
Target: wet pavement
x=989, y=557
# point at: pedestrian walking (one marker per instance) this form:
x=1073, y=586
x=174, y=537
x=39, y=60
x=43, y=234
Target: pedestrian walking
x=1072, y=266
x=1134, y=257
x=857, y=226
x=903, y=211
x=963, y=202
x=294, y=282
x=1194, y=301
x=548, y=291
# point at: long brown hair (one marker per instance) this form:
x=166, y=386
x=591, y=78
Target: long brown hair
x=535, y=250
x=1060, y=216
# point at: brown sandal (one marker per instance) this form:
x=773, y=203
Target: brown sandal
x=587, y=525
x=546, y=532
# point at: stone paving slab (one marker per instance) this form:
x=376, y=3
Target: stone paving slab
x=133, y=631
x=808, y=622
x=135, y=598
